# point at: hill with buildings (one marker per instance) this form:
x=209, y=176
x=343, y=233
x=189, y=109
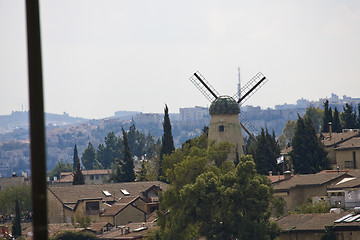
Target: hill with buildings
x=64, y=131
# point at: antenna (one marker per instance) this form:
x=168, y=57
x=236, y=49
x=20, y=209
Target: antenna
x=251, y=87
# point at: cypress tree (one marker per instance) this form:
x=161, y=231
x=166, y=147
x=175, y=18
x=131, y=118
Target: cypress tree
x=327, y=117
x=167, y=143
x=78, y=176
x=75, y=158
x=265, y=153
x=308, y=154
x=336, y=126
x=16, y=228
x=358, y=118
x=128, y=161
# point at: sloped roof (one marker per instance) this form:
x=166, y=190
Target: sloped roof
x=127, y=199
x=97, y=227
x=349, y=144
x=73, y=193
x=353, y=183
x=306, y=180
x=114, y=209
x=308, y=222
x=276, y=178
x=69, y=176
x=118, y=207
x=336, y=137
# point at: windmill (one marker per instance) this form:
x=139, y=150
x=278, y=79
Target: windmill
x=225, y=111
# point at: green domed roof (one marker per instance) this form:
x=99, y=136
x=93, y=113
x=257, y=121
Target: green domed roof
x=224, y=105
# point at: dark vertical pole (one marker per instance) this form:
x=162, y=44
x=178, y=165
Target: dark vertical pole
x=37, y=128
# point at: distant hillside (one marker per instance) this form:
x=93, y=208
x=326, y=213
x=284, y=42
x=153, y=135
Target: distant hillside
x=15, y=126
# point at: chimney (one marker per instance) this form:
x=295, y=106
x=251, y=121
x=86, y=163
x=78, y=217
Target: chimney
x=330, y=129
x=270, y=173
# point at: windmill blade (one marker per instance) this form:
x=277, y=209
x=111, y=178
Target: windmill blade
x=204, y=86
x=244, y=121
x=251, y=87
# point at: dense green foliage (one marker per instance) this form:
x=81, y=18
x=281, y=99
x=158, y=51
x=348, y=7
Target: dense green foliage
x=327, y=117
x=68, y=235
x=109, y=151
x=316, y=115
x=265, y=150
x=61, y=166
x=308, y=153
x=76, y=159
x=348, y=117
x=16, y=224
x=123, y=169
x=358, y=117
x=167, y=142
x=127, y=162
x=8, y=196
x=287, y=134
x=310, y=207
x=78, y=176
x=216, y=202
x=88, y=157
x=336, y=125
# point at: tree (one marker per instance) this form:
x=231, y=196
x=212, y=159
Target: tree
x=88, y=157
x=265, y=152
x=78, y=176
x=316, y=116
x=75, y=158
x=16, y=227
x=358, y=118
x=19, y=193
x=348, y=117
x=128, y=161
x=60, y=167
x=167, y=143
x=137, y=141
x=308, y=153
x=327, y=117
x=203, y=200
x=336, y=126
x=108, y=152
x=287, y=134
x=142, y=176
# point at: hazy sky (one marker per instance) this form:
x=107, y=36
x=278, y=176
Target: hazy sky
x=104, y=56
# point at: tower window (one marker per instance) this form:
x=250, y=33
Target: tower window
x=221, y=128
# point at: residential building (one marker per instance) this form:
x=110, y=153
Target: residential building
x=65, y=202
x=297, y=189
x=13, y=181
x=343, y=148
x=100, y=176
x=343, y=225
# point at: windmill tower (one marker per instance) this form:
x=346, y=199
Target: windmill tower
x=225, y=111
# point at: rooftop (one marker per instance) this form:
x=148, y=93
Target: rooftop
x=73, y=193
x=307, y=180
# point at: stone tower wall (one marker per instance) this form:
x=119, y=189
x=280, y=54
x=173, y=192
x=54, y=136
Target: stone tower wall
x=230, y=132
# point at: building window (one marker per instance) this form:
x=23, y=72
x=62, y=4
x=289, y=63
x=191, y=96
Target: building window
x=97, y=177
x=92, y=206
x=221, y=128
x=91, y=177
